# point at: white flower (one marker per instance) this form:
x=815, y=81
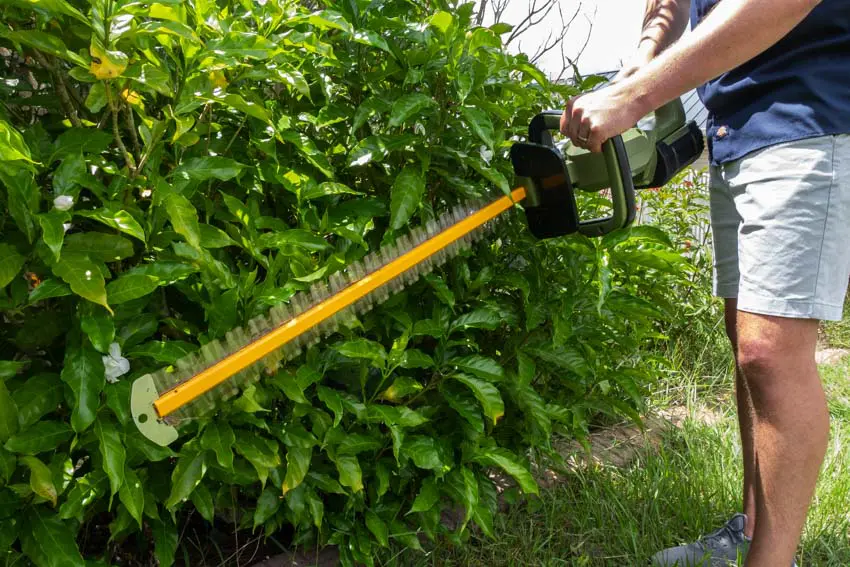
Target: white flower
x=486, y=154
x=115, y=364
x=63, y=202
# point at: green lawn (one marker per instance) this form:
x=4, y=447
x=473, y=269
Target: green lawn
x=684, y=484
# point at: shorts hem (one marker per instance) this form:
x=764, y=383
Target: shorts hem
x=791, y=309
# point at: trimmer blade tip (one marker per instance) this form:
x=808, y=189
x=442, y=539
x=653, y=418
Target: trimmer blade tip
x=142, y=397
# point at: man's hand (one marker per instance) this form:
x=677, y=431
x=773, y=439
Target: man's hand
x=593, y=118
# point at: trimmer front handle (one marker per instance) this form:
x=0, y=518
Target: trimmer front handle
x=551, y=191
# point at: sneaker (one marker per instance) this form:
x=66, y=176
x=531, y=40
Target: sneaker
x=722, y=548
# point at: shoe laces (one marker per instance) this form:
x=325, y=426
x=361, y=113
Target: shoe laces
x=727, y=532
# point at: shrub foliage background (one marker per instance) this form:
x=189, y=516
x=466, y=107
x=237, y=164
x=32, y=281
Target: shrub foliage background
x=169, y=170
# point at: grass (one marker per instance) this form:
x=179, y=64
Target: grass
x=672, y=491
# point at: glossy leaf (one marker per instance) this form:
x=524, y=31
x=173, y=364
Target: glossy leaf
x=407, y=106
x=39, y=438
x=99, y=246
x=486, y=394
x=83, y=371
x=129, y=287
x=405, y=196
x=188, y=473
x=112, y=452
x=84, y=277
x=509, y=463
x=297, y=464
x=132, y=494
x=8, y=414
x=98, y=325
x=11, y=263
x=41, y=479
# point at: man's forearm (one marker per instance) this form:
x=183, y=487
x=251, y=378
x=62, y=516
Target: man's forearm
x=732, y=34
x=664, y=22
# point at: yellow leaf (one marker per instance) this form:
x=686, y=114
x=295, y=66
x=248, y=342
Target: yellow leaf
x=132, y=97
x=218, y=79
x=106, y=64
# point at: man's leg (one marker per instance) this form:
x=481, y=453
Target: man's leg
x=745, y=420
x=790, y=425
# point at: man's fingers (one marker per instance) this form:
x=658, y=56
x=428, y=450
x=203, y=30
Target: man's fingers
x=566, y=117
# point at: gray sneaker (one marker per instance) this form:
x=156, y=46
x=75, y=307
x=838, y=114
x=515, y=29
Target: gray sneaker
x=722, y=548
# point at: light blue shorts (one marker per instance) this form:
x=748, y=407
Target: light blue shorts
x=780, y=221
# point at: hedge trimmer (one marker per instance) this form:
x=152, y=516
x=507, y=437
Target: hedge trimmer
x=547, y=175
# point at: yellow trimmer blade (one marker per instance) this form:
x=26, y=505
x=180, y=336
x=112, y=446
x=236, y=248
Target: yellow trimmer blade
x=221, y=369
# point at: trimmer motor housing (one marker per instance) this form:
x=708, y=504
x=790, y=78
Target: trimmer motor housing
x=649, y=155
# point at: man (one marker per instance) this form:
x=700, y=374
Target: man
x=775, y=77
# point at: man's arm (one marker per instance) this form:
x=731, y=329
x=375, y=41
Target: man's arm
x=733, y=33
x=664, y=22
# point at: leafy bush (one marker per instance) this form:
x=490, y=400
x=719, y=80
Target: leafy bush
x=170, y=170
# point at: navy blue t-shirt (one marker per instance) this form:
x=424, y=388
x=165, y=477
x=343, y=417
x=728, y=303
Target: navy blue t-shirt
x=798, y=88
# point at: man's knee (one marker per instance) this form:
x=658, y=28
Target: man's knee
x=769, y=347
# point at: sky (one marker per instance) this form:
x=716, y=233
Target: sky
x=614, y=32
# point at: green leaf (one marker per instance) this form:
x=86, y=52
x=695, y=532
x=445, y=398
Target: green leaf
x=349, y=471
x=295, y=237
x=424, y=452
x=184, y=218
x=405, y=196
x=132, y=494
x=371, y=38
x=203, y=502
x=48, y=541
x=41, y=437
x=444, y=293
x=84, y=276
x=480, y=366
x=466, y=406
x=48, y=289
x=12, y=145
x=129, y=287
x=188, y=473
x=480, y=123
x=53, y=230
x=41, y=479
x=165, y=540
x=317, y=508
x=213, y=237
x=378, y=528
x=219, y=438
x=211, y=167
x=112, y=452
x=267, y=504
x=363, y=349
x=96, y=99
x=37, y=397
x=22, y=197
x=327, y=189
x=251, y=108
x=356, y=443
x=564, y=357
x=333, y=400
x=165, y=352
x=297, y=464
x=100, y=246
x=442, y=21
x=486, y=394
x=403, y=386
x=83, y=371
x=10, y=368
x=117, y=219
x=483, y=318
x=98, y=325
x=8, y=414
x=329, y=20
x=429, y=495
x=55, y=7
x=509, y=463
x=10, y=264
x=406, y=106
